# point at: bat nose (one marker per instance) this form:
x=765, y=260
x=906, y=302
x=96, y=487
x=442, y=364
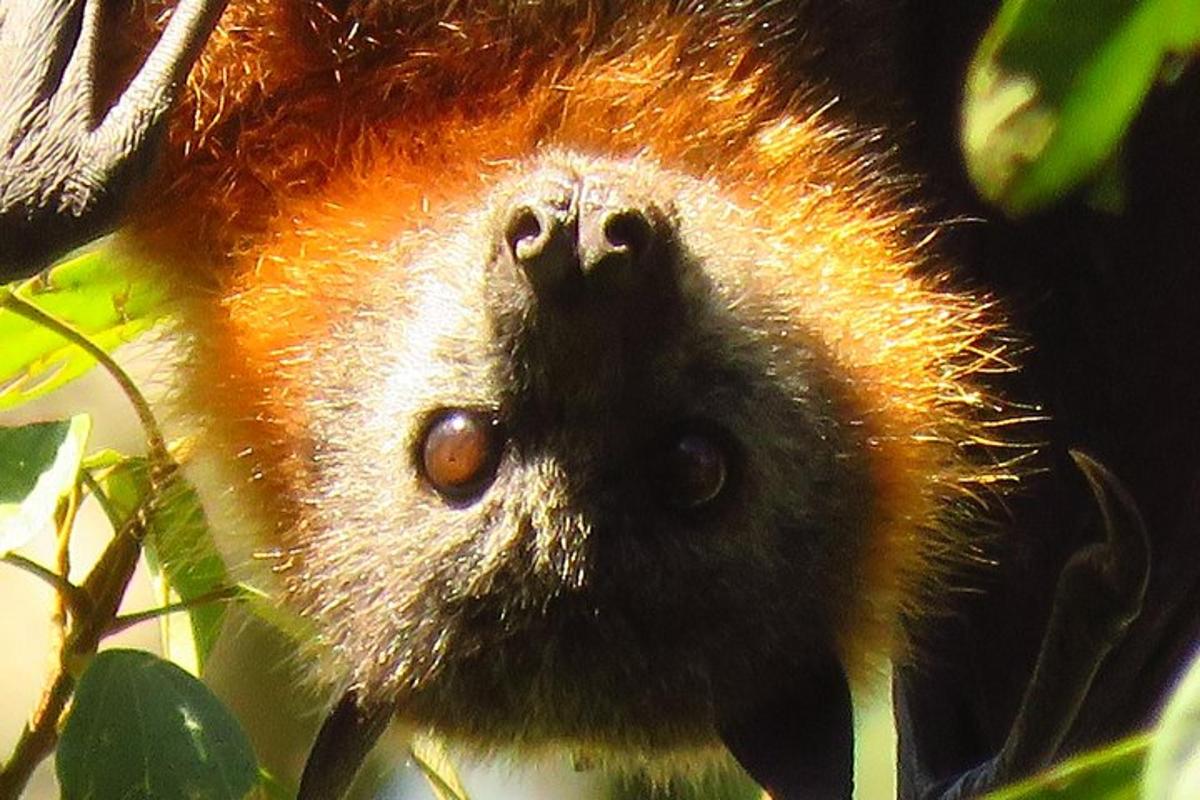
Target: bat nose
x=587, y=237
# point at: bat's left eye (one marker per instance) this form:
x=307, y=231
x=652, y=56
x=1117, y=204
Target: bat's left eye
x=695, y=470
x=459, y=453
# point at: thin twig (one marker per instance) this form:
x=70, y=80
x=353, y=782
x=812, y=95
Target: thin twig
x=38, y=737
x=63, y=524
x=78, y=603
x=108, y=579
x=124, y=621
x=105, y=586
x=97, y=491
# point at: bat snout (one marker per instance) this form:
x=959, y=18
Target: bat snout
x=592, y=237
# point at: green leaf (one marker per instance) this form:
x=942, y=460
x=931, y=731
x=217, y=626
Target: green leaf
x=1182, y=33
x=141, y=728
x=39, y=465
x=180, y=552
x=1055, y=85
x=1173, y=768
x=433, y=759
x=1113, y=773
x=100, y=293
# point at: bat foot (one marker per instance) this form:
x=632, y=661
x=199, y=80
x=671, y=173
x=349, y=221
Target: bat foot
x=1099, y=593
x=65, y=169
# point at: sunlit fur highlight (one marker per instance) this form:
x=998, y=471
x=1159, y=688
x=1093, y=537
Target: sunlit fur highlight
x=310, y=139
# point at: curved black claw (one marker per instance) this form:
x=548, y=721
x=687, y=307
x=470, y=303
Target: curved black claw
x=799, y=744
x=343, y=743
x=1099, y=593
x=65, y=166
x=1121, y=563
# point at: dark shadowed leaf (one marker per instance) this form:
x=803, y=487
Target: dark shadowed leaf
x=141, y=728
x=1055, y=85
x=39, y=464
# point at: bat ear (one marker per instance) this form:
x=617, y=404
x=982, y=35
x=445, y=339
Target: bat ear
x=798, y=743
x=343, y=743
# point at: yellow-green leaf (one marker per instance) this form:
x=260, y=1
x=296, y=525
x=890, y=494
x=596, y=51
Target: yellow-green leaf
x=100, y=293
x=1173, y=768
x=180, y=552
x=432, y=758
x=1113, y=773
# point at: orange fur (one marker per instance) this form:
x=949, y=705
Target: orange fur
x=309, y=141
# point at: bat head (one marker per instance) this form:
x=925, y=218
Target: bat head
x=578, y=473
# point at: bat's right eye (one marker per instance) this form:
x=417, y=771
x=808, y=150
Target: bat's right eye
x=459, y=452
x=694, y=470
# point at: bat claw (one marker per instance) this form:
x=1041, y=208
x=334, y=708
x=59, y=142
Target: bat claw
x=1099, y=593
x=343, y=743
x=1121, y=563
x=63, y=178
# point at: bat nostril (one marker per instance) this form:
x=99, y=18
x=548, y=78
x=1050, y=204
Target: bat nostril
x=615, y=247
x=587, y=238
x=525, y=234
x=628, y=230
x=541, y=245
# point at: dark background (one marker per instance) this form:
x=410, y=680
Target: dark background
x=1110, y=306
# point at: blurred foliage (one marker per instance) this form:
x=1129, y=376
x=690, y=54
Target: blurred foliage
x=179, y=550
x=1111, y=773
x=1054, y=87
x=136, y=725
x=1173, y=769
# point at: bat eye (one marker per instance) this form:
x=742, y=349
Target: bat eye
x=695, y=471
x=460, y=452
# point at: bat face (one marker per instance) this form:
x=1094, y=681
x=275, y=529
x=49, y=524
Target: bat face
x=583, y=392
x=573, y=360
x=580, y=474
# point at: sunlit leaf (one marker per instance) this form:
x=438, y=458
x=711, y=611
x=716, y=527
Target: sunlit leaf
x=432, y=758
x=1055, y=85
x=39, y=465
x=1173, y=768
x=1113, y=773
x=101, y=294
x=141, y=728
